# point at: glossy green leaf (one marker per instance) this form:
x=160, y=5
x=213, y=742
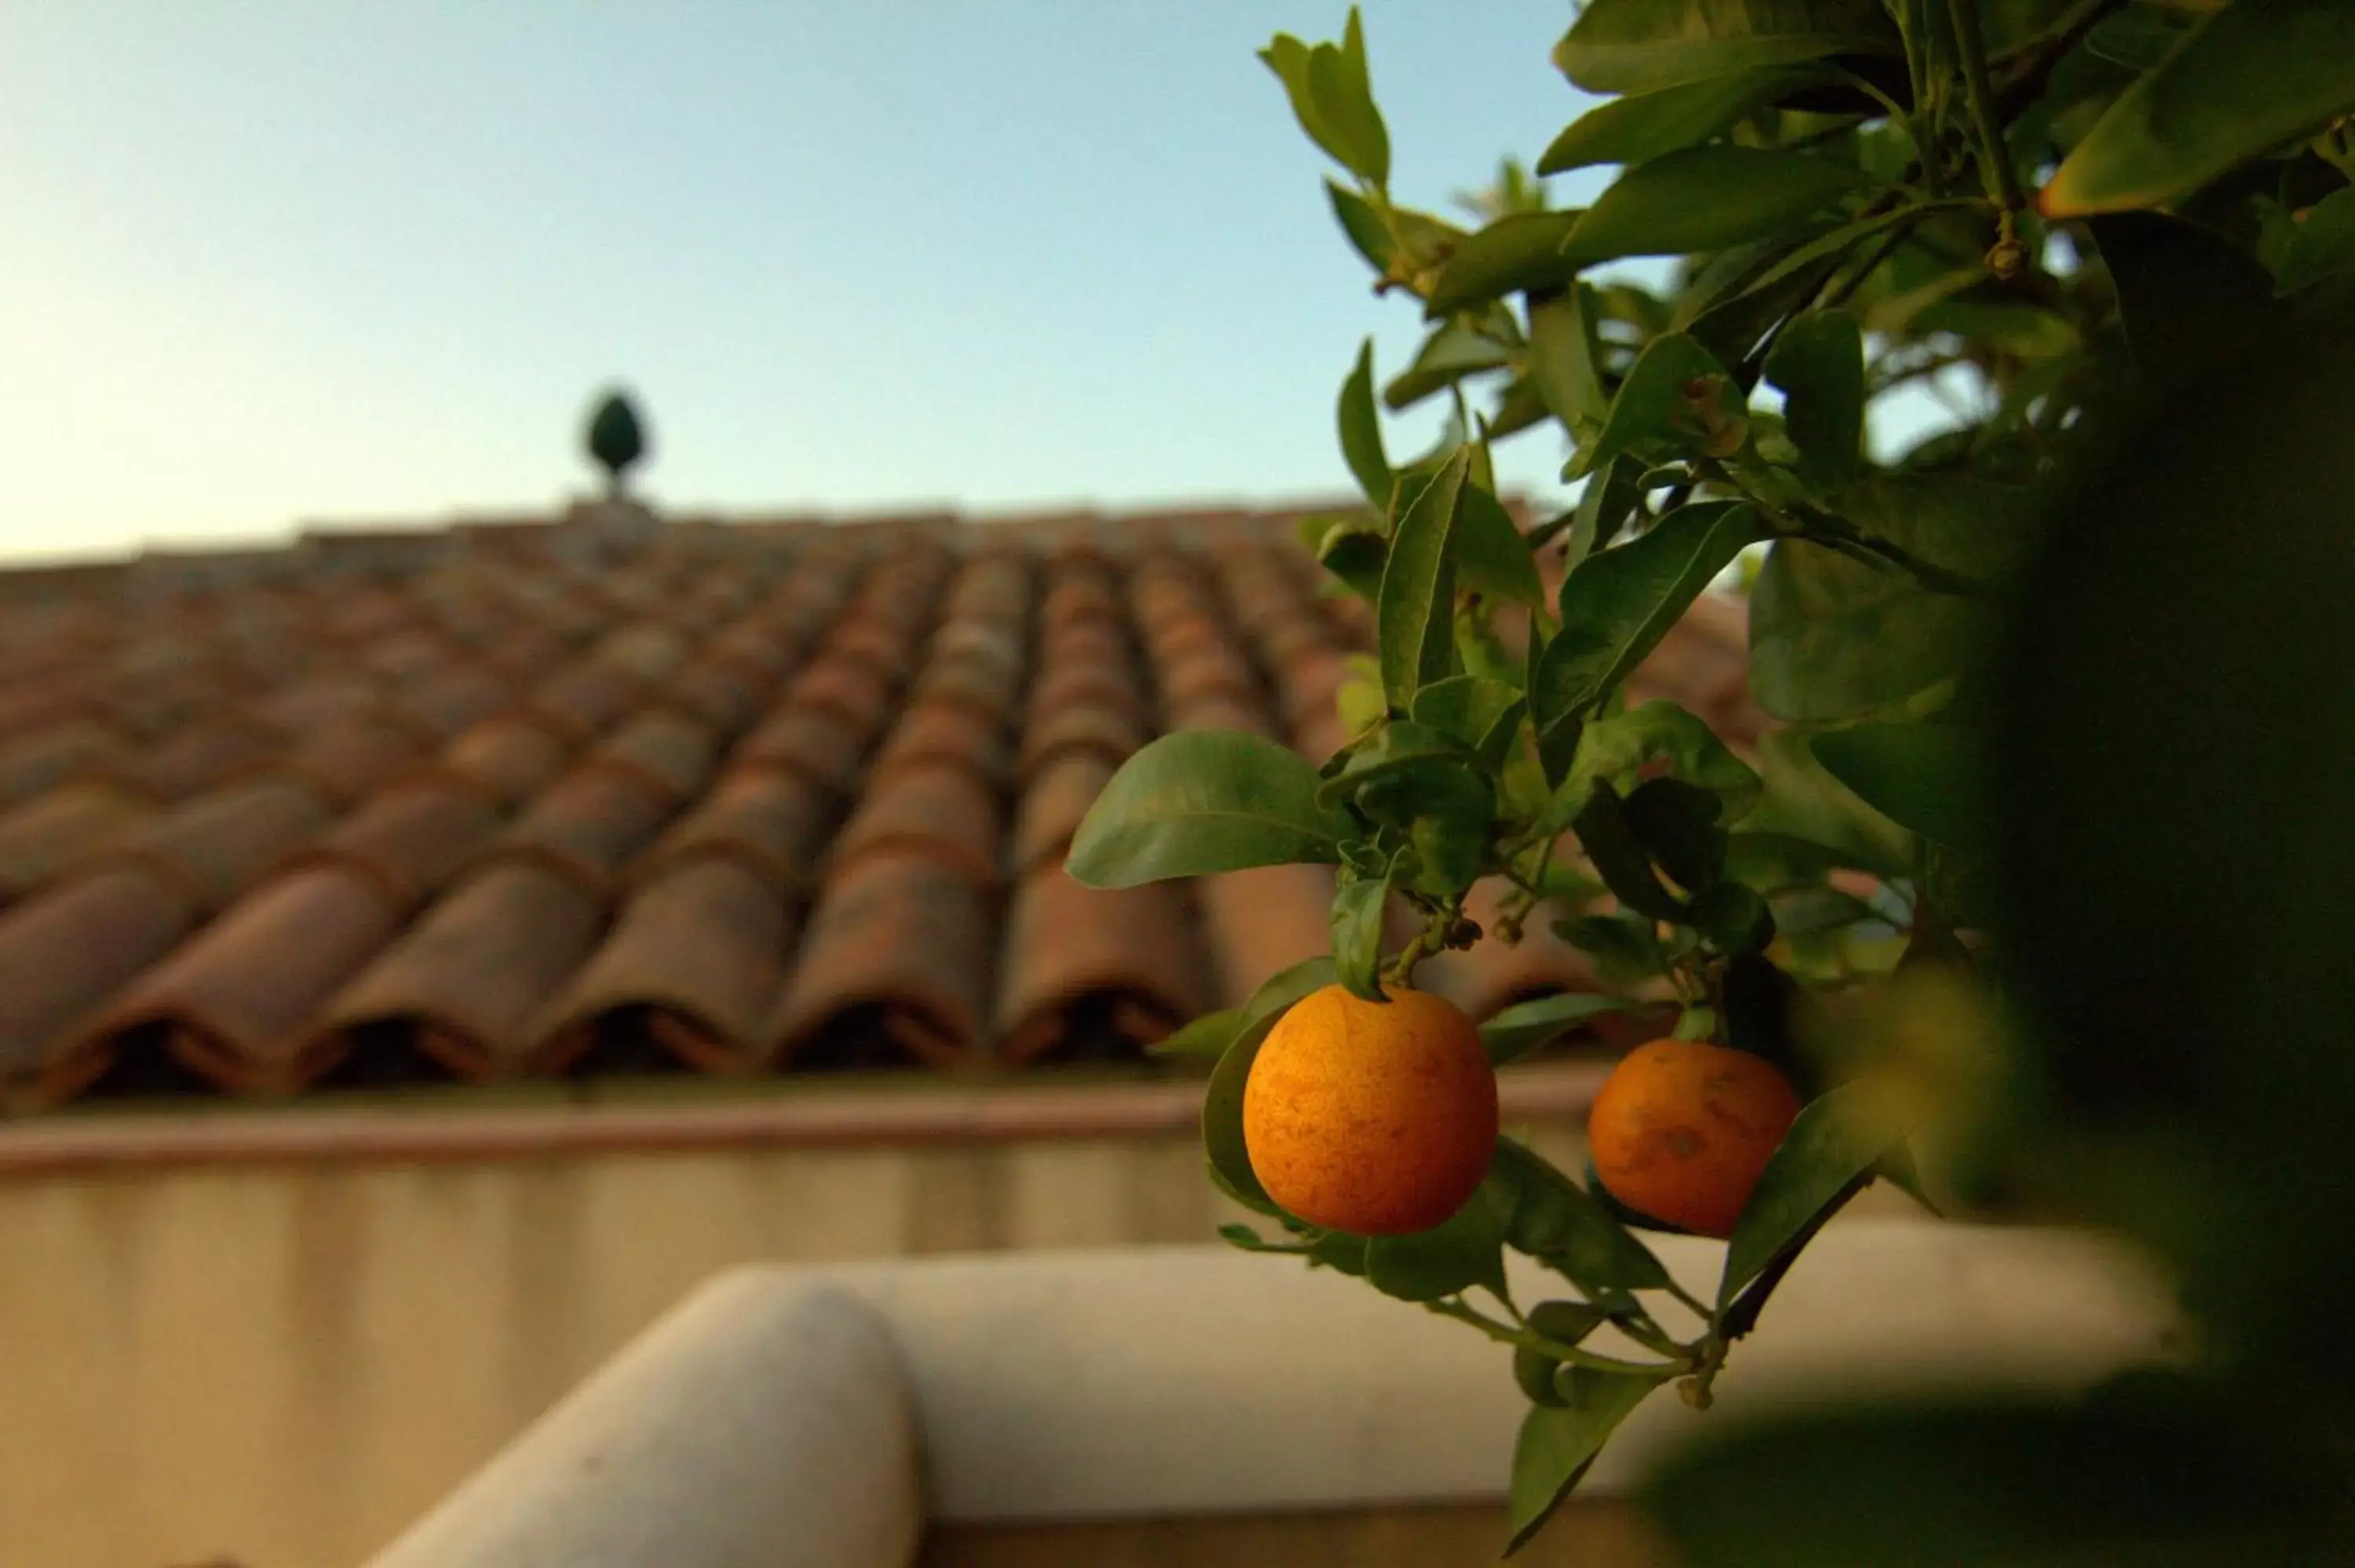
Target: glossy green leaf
x=1358, y=910
x=1492, y=557
x=1345, y=87
x=1832, y=637
x=1223, y=1099
x=1562, y=360
x=1619, y=857
x=1704, y=198
x=1838, y=1139
x=1633, y=130
x=1400, y=746
x=1354, y=550
x=1528, y=1025
x=1363, y=225
x=1557, y=1443
x=1732, y=919
x=1222, y=1125
x=1626, y=747
x=1209, y=1035
x=1466, y=1250
x=1454, y=350
x=1677, y=400
x=1677, y=823
x=1552, y=1219
x=1361, y=431
x=1800, y=800
x=1643, y=45
x=1617, y=605
x=1564, y=1323
x=1199, y=801
x=1604, y=504
x=1923, y=775
x=1482, y=714
x=1516, y=253
x=1621, y=944
x=2251, y=78
x=1414, y=616
x=1333, y=100
x=1818, y=361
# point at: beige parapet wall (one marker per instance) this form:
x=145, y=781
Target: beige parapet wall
x=762, y=1421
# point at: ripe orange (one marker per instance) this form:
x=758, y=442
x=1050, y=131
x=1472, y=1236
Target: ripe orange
x=1682, y=1130
x=1374, y=1117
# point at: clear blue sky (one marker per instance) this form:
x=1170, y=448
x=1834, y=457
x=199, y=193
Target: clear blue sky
x=268, y=262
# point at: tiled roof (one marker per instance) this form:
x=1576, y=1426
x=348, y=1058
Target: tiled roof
x=568, y=796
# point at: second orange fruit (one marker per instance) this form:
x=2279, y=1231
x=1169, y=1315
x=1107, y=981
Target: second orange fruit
x=1378, y=1118
x=1681, y=1131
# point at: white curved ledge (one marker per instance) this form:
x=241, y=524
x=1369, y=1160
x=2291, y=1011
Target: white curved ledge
x=764, y=1421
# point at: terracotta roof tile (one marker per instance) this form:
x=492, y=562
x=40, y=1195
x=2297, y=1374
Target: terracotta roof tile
x=57, y=752
x=467, y=982
x=52, y=832
x=727, y=799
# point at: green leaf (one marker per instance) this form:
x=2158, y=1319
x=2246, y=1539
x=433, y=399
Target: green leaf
x=1818, y=362
x=1562, y=358
x=1557, y=1443
x=1454, y=350
x=1492, y=557
x=1677, y=824
x=1353, y=549
x=1624, y=747
x=1605, y=833
x=1677, y=400
x=2320, y=246
x=1361, y=431
x=1367, y=233
x=1643, y=45
x=1732, y=919
x=1358, y=910
x=1632, y=130
x=1801, y=801
x=1705, y=198
x=1554, y=1219
x=1832, y=637
x=1518, y=253
x=1617, y=604
x=1566, y=1323
x=1204, y=800
x=1209, y=1035
x=1414, y=617
x=1924, y=776
x=1223, y=1099
x=1837, y=1140
x=1605, y=503
x=1333, y=99
x=2251, y=78
x=1468, y=1249
x=1527, y=1025
x=1345, y=88
x=1483, y=714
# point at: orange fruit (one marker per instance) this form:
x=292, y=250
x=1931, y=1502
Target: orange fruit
x=1374, y=1117
x=1682, y=1130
